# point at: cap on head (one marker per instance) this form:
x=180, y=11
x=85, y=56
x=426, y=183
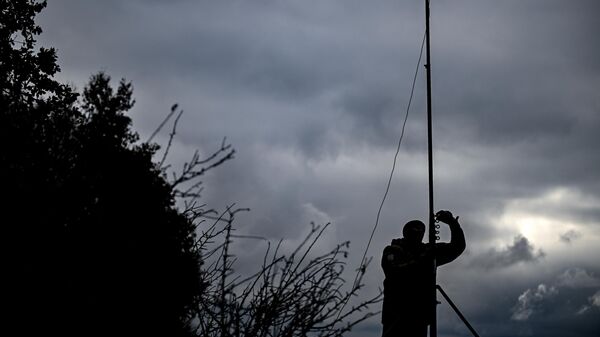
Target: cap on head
x=414, y=231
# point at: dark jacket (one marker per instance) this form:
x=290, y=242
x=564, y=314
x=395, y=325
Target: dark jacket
x=408, y=276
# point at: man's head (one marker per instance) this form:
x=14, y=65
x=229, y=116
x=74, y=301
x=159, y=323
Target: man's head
x=414, y=231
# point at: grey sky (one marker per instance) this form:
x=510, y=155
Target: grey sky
x=312, y=95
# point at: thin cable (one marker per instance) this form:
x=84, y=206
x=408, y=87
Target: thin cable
x=173, y=109
x=389, y=183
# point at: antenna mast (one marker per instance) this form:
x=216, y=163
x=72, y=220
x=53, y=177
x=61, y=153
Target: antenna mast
x=432, y=229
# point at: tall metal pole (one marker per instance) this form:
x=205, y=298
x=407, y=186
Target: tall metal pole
x=432, y=229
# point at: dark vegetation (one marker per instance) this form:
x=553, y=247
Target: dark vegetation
x=99, y=239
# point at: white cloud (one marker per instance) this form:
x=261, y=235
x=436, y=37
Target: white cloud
x=531, y=301
x=595, y=299
x=583, y=310
x=534, y=300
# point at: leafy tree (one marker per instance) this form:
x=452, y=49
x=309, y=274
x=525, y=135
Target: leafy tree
x=26, y=71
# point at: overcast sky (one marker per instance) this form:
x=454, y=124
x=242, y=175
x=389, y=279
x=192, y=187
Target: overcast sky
x=312, y=95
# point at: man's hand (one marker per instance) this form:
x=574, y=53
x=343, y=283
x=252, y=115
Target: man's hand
x=446, y=217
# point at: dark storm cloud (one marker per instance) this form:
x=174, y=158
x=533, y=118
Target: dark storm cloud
x=530, y=106
x=277, y=51
x=520, y=251
x=271, y=51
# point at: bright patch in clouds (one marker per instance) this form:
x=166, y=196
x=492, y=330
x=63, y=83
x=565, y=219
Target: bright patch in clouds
x=595, y=299
x=551, y=217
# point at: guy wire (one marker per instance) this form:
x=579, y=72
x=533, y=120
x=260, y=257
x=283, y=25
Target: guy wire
x=387, y=189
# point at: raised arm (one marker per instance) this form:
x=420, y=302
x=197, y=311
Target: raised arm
x=447, y=252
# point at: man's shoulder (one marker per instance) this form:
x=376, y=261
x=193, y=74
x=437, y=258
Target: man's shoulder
x=401, y=246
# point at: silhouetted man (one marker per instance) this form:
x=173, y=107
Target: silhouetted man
x=407, y=264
